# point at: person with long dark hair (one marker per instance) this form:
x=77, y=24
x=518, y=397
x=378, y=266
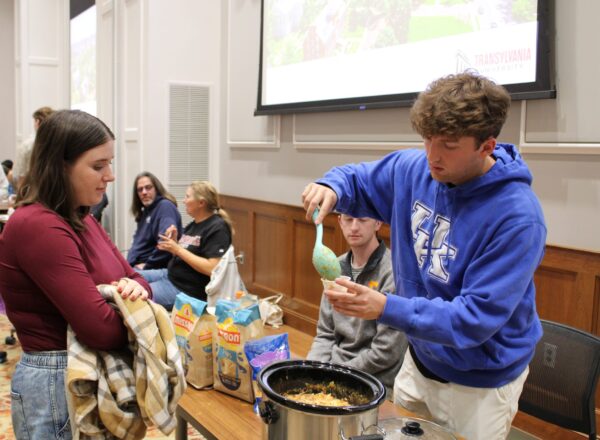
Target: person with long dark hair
x=154, y=210
x=52, y=256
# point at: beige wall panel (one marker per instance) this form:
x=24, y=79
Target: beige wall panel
x=44, y=86
x=243, y=129
x=45, y=17
x=573, y=116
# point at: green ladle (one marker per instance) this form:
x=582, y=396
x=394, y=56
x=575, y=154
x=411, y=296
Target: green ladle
x=323, y=258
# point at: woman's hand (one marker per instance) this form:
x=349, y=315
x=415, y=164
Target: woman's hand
x=168, y=244
x=171, y=232
x=128, y=288
x=360, y=301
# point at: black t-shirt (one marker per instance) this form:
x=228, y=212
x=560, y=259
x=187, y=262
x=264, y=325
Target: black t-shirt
x=208, y=239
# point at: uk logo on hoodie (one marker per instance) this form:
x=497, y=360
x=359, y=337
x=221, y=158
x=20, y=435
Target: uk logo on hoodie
x=436, y=251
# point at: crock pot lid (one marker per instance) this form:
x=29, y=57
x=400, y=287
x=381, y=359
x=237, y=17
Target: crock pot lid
x=431, y=431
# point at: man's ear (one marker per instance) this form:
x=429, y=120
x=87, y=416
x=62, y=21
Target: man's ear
x=488, y=146
x=378, y=225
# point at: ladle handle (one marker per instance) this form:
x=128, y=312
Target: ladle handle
x=319, y=239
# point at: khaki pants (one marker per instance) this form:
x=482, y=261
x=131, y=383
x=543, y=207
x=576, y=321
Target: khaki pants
x=474, y=413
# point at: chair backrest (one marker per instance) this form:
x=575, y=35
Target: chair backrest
x=562, y=380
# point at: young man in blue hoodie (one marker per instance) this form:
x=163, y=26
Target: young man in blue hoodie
x=467, y=236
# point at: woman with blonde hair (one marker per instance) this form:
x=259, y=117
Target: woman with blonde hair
x=196, y=253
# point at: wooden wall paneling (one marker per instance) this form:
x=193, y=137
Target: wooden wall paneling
x=384, y=234
x=277, y=242
x=584, y=292
x=307, y=283
x=556, y=297
x=565, y=284
x=272, y=252
x=242, y=240
x=303, y=304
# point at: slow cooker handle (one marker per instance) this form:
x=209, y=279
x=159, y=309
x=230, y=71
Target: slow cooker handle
x=268, y=412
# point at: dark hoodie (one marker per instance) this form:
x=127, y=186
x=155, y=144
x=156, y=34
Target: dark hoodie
x=466, y=298
x=155, y=220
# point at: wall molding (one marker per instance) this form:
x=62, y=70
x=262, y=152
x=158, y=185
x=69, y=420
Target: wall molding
x=563, y=148
x=351, y=145
x=258, y=144
x=43, y=61
x=131, y=134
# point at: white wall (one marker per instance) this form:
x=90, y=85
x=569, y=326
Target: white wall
x=8, y=139
x=273, y=158
x=157, y=43
x=42, y=59
x=183, y=46
x=568, y=185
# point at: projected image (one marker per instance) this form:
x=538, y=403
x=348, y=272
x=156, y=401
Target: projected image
x=333, y=49
x=83, y=61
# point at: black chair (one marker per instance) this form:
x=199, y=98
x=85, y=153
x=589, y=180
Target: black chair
x=563, y=375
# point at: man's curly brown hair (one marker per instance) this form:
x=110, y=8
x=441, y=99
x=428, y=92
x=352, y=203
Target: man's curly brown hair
x=465, y=104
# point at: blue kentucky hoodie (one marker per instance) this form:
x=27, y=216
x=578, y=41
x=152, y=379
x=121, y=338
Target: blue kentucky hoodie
x=464, y=258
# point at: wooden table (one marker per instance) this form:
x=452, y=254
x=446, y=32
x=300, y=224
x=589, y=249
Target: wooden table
x=220, y=416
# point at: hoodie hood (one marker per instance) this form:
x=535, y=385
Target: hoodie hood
x=509, y=166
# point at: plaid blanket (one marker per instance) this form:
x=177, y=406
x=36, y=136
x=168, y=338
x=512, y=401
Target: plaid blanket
x=116, y=394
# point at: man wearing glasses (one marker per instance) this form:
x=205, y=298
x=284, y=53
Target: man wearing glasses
x=154, y=210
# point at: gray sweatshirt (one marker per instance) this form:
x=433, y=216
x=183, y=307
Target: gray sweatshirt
x=363, y=344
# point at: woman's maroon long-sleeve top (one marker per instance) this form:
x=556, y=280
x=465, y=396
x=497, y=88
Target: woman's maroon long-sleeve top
x=48, y=278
